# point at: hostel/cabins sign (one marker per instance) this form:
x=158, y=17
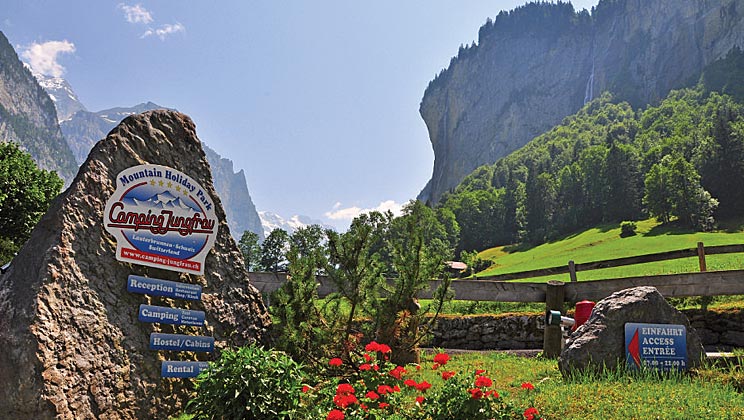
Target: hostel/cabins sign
x=161, y=218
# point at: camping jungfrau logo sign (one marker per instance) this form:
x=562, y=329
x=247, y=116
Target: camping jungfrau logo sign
x=161, y=218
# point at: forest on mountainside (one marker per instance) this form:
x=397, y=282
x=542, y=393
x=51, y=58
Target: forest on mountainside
x=682, y=160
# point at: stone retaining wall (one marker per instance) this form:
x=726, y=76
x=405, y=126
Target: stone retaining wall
x=718, y=331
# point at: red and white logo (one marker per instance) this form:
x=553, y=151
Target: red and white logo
x=161, y=218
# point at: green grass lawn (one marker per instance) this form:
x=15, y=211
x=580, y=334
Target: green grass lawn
x=604, y=242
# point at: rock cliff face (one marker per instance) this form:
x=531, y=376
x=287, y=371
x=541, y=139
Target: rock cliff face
x=541, y=62
x=73, y=347
x=65, y=99
x=85, y=128
x=28, y=116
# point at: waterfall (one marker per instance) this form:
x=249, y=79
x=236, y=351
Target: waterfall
x=589, y=91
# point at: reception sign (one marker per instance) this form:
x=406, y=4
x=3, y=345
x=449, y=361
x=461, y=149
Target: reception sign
x=165, y=288
x=161, y=218
x=656, y=346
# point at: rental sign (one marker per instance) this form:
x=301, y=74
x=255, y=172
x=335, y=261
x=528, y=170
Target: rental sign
x=161, y=218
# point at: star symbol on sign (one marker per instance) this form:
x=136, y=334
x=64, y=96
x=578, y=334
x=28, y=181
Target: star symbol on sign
x=170, y=184
x=152, y=182
x=185, y=191
x=160, y=183
x=178, y=188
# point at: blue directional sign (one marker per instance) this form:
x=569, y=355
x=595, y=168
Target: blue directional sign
x=656, y=346
x=181, y=369
x=163, y=315
x=180, y=342
x=166, y=288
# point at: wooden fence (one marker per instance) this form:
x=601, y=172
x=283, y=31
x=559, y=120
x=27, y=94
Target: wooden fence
x=555, y=293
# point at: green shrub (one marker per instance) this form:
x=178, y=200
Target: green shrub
x=627, y=229
x=250, y=383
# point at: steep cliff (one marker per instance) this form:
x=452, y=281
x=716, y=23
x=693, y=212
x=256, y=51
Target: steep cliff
x=28, y=116
x=541, y=62
x=85, y=128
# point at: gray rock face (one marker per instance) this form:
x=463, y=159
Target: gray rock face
x=601, y=340
x=540, y=63
x=65, y=99
x=72, y=345
x=28, y=116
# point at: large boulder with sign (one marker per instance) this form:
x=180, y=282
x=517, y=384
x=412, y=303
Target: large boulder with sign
x=128, y=285
x=633, y=329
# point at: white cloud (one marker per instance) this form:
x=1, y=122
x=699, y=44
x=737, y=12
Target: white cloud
x=43, y=57
x=164, y=30
x=349, y=213
x=136, y=13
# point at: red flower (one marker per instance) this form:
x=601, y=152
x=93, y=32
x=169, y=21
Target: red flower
x=344, y=389
x=483, y=381
x=344, y=400
x=528, y=386
x=365, y=367
x=335, y=415
x=448, y=374
x=372, y=395
x=396, y=388
x=384, y=349
x=363, y=407
x=492, y=394
x=335, y=362
x=367, y=357
x=530, y=413
x=384, y=405
x=441, y=359
x=384, y=389
x=423, y=386
x=476, y=393
x=305, y=388
x=420, y=399
x=410, y=382
x=398, y=372
x=375, y=368
x=373, y=347
x=435, y=366
x=479, y=371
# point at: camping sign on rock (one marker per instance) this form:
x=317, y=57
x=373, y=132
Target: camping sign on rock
x=161, y=218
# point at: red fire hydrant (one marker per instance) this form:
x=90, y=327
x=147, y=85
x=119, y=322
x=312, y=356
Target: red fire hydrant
x=582, y=313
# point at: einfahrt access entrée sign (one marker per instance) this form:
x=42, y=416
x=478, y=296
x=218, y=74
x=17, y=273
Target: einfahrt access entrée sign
x=161, y=218
x=656, y=346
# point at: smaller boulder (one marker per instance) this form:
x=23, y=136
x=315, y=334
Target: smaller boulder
x=600, y=342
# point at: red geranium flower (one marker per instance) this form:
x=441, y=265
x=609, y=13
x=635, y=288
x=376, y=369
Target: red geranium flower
x=305, y=388
x=384, y=349
x=448, y=374
x=476, y=393
x=367, y=357
x=396, y=388
x=335, y=362
x=384, y=389
x=528, y=386
x=372, y=395
x=420, y=399
x=398, y=372
x=373, y=346
x=384, y=405
x=479, y=371
x=410, y=382
x=492, y=394
x=335, y=415
x=530, y=413
x=423, y=386
x=344, y=400
x=344, y=389
x=483, y=381
x=365, y=367
x=441, y=359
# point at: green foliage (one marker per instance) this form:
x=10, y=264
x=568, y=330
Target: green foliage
x=25, y=194
x=682, y=159
x=250, y=383
x=250, y=249
x=627, y=229
x=273, y=251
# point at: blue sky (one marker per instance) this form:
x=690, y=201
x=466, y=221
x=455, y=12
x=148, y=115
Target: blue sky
x=316, y=100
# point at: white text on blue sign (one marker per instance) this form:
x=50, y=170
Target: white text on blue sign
x=181, y=369
x=656, y=346
x=181, y=342
x=163, y=315
x=165, y=288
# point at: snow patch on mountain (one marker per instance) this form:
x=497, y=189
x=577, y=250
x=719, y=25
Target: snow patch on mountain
x=271, y=221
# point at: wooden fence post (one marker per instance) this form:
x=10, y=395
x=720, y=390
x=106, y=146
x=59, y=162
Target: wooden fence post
x=554, y=296
x=701, y=257
x=572, y=270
